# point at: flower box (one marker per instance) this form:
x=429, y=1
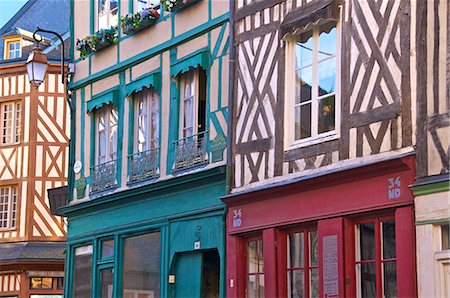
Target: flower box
x=96, y=42
x=172, y=5
x=138, y=21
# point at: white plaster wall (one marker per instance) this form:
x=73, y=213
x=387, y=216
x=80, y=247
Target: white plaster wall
x=432, y=207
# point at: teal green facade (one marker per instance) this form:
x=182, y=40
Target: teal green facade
x=182, y=207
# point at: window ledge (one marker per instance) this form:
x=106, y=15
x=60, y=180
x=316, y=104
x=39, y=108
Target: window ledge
x=313, y=141
x=442, y=255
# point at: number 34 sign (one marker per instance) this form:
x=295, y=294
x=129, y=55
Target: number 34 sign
x=237, y=218
x=394, y=188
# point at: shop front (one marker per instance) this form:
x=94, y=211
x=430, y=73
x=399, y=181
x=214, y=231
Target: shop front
x=342, y=233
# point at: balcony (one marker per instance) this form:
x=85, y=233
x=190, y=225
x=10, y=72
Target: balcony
x=143, y=166
x=190, y=152
x=103, y=176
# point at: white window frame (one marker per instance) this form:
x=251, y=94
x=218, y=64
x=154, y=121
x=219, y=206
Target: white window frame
x=9, y=208
x=111, y=146
x=14, y=131
x=17, y=48
x=183, y=83
x=107, y=14
x=150, y=114
x=289, y=131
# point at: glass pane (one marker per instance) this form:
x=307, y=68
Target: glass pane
x=113, y=134
x=327, y=41
x=82, y=273
x=303, y=121
x=388, y=239
x=313, y=249
x=303, y=83
x=260, y=256
x=106, y=280
x=252, y=257
x=389, y=279
x=327, y=77
x=326, y=114
x=445, y=235
x=367, y=241
x=255, y=286
x=296, y=250
x=41, y=283
x=141, y=266
x=314, y=282
x=304, y=50
x=367, y=278
x=108, y=248
x=296, y=283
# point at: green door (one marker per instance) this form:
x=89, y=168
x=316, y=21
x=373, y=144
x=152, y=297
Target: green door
x=188, y=275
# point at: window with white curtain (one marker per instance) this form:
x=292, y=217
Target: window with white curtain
x=147, y=120
x=192, y=103
x=140, y=5
x=107, y=13
x=8, y=207
x=10, y=122
x=106, y=131
x=312, y=85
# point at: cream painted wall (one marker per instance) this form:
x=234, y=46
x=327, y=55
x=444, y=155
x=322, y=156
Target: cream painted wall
x=105, y=84
x=432, y=207
x=192, y=45
x=81, y=21
x=145, y=40
x=145, y=67
x=191, y=18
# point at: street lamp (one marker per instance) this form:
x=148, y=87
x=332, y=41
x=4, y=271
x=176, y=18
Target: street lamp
x=37, y=68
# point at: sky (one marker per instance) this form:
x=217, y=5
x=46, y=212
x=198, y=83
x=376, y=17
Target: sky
x=8, y=8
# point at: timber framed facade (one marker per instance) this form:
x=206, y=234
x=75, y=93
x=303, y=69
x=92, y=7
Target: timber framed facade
x=34, y=138
x=388, y=127
x=145, y=218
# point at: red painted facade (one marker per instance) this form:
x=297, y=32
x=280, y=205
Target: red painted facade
x=331, y=204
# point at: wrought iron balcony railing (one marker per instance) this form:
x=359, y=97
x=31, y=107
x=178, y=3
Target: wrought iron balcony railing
x=103, y=176
x=190, y=151
x=143, y=165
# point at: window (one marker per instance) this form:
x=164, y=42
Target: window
x=255, y=269
x=376, y=273
x=147, y=120
x=8, y=207
x=141, y=266
x=41, y=283
x=10, y=122
x=445, y=237
x=303, y=264
x=140, y=5
x=193, y=103
x=311, y=84
x=82, y=272
x=107, y=13
x=106, y=130
x=12, y=49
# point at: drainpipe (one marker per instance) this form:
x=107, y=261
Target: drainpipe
x=229, y=174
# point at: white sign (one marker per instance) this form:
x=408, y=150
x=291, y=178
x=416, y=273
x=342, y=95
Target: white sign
x=77, y=167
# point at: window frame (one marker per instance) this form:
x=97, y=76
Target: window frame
x=107, y=13
x=246, y=259
x=378, y=257
x=7, y=51
x=15, y=131
x=306, y=258
x=13, y=202
x=148, y=108
x=290, y=89
x=110, y=148
x=90, y=250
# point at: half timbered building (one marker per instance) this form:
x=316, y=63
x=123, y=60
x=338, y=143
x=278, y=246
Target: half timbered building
x=337, y=106
x=150, y=89
x=34, y=130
